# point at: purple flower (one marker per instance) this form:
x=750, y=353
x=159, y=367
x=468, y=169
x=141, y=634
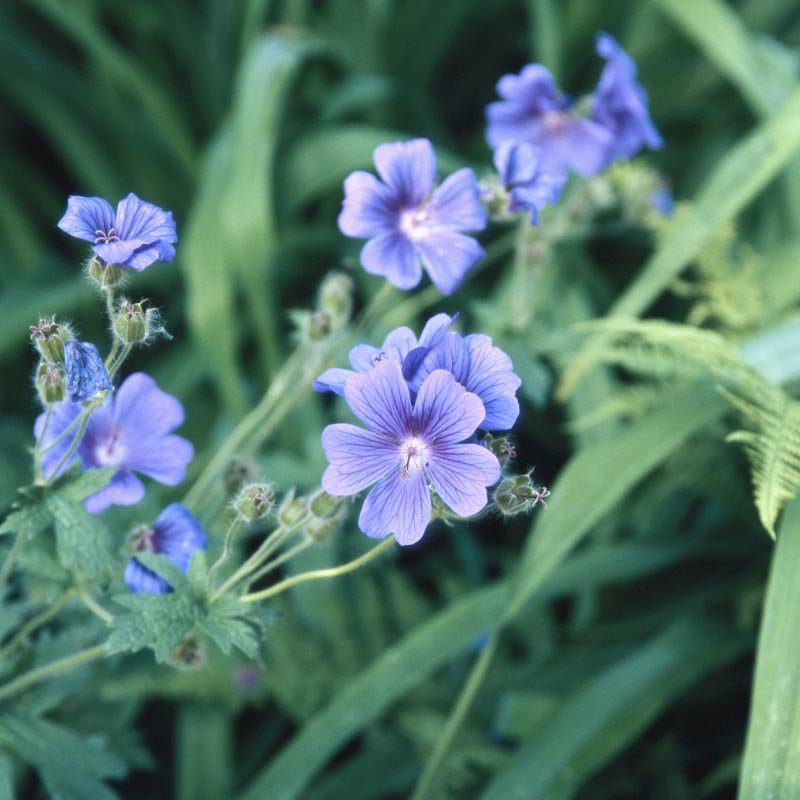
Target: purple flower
x=620, y=103
x=533, y=111
x=176, y=534
x=407, y=447
x=407, y=221
x=136, y=236
x=132, y=432
x=400, y=345
x=530, y=189
x=86, y=373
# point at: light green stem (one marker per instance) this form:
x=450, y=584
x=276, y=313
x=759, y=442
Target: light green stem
x=95, y=607
x=49, y=670
x=108, y=291
x=226, y=549
x=428, y=782
x=37, y=450
x=36, y=622
x=318, y=574
x=114, y=368
x=84, y=418
x=281, y=559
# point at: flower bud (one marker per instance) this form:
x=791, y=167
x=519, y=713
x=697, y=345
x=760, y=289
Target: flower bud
x=51, y=382
x=501, y=447
x=254, y=501
x=49, y=337
x=133, y=324
x=517, y=494
x=106, y=276
x=319, y=326
x=320, y=530
x=323, y=505
x=293, y=510
x=336, y=299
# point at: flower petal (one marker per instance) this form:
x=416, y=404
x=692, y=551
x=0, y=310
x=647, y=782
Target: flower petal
x=62, y=415
x=178, y=535
x=162, y=458
x=86, y=216
x=445, y=412
x=138, y=220
x=456, y=204
x=580, y=144
x=380, y=399
x=450, y=354
x=492, y=378
x=448, y=257
x=143, y=257
x=408, y=169
x=369, y=207
x=460, y=474
x=362, y=357
x=357, y=458
x=144, y=410
x=398, y=505
x=398, y=344
x=140, y=579
x=392, y=254
x=332, y=380
x=124, y=489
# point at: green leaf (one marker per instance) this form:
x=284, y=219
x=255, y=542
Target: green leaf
x=6, y=778
x=400, y=669
x=163, y=566
x=87, y=483
x=229, y=625
x=83, y=542
x=599, y=476
x=771, y=765
x=603, y=716
x=28, y=518
x=157, y=620
x=71, y=768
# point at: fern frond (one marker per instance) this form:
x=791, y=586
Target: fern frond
x=772, y=446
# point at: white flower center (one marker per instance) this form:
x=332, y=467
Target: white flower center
x=414, y=223
x=111, y=451
x=413, y=456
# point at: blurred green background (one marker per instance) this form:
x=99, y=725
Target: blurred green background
x=628, y=673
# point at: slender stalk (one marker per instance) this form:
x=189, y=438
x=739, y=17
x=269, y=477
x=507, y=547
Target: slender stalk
x=95, y=607
x=63, y=435
x=37, y=452
x=281, y=559
x=16, y=548
x=226, y=549
x=108, y=291
x=126, y=351
x=318, y=574
x=49, y=670
x=428, y=782
x=36, y=622
x=84, y=418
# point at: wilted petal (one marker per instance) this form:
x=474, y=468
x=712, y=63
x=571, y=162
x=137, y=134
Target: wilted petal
x=381, y=400
x=87, y=218
x=369, y=207
x=124, y=489
x=86, y=373
x=357, y=458
x=456, y=204
x=460, y=474
x=448, y=257
x=409, y=170
x=445, y=410
x=398, y=504
x=392, y=254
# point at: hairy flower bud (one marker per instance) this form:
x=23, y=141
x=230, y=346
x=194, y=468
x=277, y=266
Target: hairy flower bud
x=134, y=324
x=320, y=530
x=51, y=382
x=254, y=501
x=517, y=494
x=501, y=446
x=105, y=276
x=293, y=510
x=336, y=299
x=323, y=505
x=49, y=337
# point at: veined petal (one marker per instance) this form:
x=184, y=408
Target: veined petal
x=357, y=458
x=117, y=252
x=178, y=535
x=139, y=220
x=124, y=489
x=460, y=474
x=62, y=415
x=332, y=380
x=144, y=256
x=381, y=400
x=450, y=354
x=399, y=505
x=435, y=329
x=448, y=257
x=408, y=169
x=87, y=217
x=445, y=412
x=392, y=254
x=144, y=410
x=492, y=378
x=162, y=458
x=399, y=343
x=456, y=204
x=369, y=207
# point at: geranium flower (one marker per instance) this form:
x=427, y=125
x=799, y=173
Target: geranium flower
x=136, y=236
x=409, y=223
x=407, y=450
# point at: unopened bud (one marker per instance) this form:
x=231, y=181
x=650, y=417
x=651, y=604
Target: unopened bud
x=320, y=530
x=293, y=510
x=51, y=382
x=323, y=505
x=336, y=299
x=517, y=494
x=501, y=447
x=106, y=276
x=319, y=326
x=189, y=654
x=49, y=337
x=254, y=501
x=238, y=472
x=134, y=324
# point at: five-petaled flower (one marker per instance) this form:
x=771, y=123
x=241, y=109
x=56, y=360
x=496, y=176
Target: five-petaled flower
x=407, y=450
x=409, y=223
x=138, y=234
x=132, y=432
x=176, y=534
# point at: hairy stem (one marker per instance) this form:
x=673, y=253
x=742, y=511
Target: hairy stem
x=281, y=559
x=226, y=549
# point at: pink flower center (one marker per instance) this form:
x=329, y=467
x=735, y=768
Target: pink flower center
x=413, y=456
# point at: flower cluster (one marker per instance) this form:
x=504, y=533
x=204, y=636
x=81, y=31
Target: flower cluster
x=420, y=400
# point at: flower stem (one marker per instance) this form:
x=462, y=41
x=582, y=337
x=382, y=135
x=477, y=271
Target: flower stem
x=429, y=780
x=95, y=607
x=16, y=548
x=84, y=418
x=49, y=670
x=126, y=351
x=226, y=549
x=281, y=559
x=318, y=574
x=37, y=452
x=36, y=622
x=108, y=291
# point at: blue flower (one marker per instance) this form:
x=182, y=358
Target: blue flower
x=405, y=448
x=409, y=223
x=132, y=432
x=136, y=236
x=475, y=363
x=86, y=373
x=532, y=110
x=620, y=103
x=530, y=189
x=176, y=534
